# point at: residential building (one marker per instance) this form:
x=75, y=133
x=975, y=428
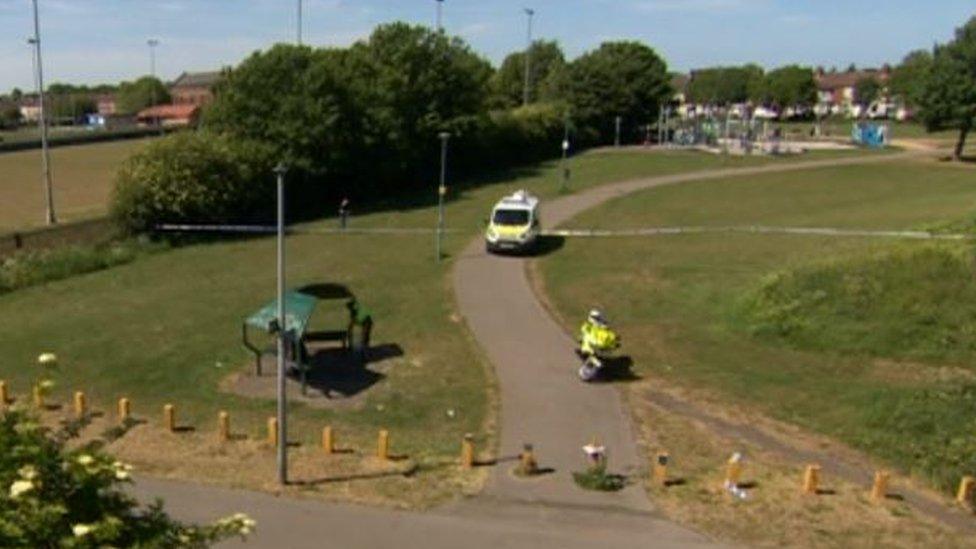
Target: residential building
x=837, y=91
x=194, y=88
x=105, y=103
x=185, y=114
x=30, y=108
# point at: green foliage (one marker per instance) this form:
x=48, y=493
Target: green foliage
x=725, y=85
x=70, y=106
x=547, y=76
x=597, y=478
x=9, y=116
x=790, y=86
x=55, y=497
x=908, y=80
x=910, y=304
x=192, y=177
x=868, y=90
x=33, y=268
x=949, y=96
x=626, y=79
x=145, y=92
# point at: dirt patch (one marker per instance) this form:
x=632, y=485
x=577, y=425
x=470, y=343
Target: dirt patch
x=912, y=373
x=774, y=512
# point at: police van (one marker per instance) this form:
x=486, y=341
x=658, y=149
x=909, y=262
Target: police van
x=514, y=224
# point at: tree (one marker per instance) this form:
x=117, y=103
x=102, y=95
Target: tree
x=547, y=76
x=908, y=79
x=9, y=116
x=791, y=86
x=868, y=90
x=723, y=85
x=16, y=94
x=144, y=92
x=949, y=96
x=626, y=79
x=71, y=106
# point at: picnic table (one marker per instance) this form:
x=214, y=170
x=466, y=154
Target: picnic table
x=298, y=310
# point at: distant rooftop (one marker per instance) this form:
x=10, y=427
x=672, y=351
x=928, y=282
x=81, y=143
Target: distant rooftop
x=197, y=79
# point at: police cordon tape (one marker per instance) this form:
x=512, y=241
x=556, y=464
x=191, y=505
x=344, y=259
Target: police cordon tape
x=271, y=229
x=756, y=229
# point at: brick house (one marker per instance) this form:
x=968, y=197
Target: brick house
x=194, y=88
x=837, y=91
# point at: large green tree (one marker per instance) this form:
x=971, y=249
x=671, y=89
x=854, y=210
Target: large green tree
x=626, y=79
x=70, y=106
x=948, y=99
x=547, y=76
x=908, y=79
x=144, y=92
x=724, y=85
x=868, y=90
x=791, y=86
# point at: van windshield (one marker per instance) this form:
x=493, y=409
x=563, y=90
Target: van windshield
x=511, y=217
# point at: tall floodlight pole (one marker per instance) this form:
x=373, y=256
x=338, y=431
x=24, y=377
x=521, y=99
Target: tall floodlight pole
x=528, y=56
x=280, y=170
x=50, y=217
x=299, y=31
x=152, y=43
x=440, y=15
x=441, y=192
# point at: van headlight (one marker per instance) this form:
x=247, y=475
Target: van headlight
x=491, y=235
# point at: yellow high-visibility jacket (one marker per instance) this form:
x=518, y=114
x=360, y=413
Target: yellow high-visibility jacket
x=595, y=338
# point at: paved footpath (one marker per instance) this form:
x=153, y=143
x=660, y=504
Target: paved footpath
x=542, y=402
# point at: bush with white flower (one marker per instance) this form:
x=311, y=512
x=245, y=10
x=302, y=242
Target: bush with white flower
x=51, y=496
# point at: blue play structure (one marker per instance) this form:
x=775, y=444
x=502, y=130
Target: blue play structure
x=870, y=135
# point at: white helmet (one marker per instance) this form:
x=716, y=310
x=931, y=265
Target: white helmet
x=597, y=317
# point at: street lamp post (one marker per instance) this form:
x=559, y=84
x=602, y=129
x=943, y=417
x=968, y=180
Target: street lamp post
x=616, y=134
x=50, y=216
x=528, y=57
x=441, y=191
x=565, y=163
x=280, y=170
x=299, y=31
x=440, y=15
x=152, y=43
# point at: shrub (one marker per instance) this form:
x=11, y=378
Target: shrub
x=193, y=177
x=54, y=497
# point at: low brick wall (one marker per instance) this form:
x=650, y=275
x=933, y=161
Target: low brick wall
x=82, y=232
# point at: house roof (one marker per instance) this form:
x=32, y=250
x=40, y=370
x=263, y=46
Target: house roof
x=196, y=79
x=186, y=111
x=848, y=79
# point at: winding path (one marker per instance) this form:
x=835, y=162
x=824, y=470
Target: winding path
x=542, y=403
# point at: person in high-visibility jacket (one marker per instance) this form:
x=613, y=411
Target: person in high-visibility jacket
x=596, y=336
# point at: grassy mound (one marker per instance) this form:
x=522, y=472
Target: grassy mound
x=907, y=304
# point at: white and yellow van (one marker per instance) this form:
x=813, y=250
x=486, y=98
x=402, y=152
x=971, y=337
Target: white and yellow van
x=514, y=224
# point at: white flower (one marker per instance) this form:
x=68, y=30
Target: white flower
x=122, y=475
x=46, y=385
x=85, y=460
x=27, y=472
x=47, y=360
x=20, y=487
x=82, y=530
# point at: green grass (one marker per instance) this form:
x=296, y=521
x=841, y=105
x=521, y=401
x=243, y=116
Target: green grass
x=82, y=179
x=166, y=327
x=677, y=301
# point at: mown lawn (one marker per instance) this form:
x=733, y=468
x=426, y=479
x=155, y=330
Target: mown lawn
x=166, y=328
x=82, y=177
x=678, y=301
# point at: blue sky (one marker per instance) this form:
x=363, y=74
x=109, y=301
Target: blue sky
x=88, y=41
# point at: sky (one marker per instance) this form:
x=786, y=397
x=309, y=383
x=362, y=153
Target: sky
x=93, y=41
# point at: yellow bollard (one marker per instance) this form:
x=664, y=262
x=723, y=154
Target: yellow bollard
x=38, y=397
x=966, y=488
x=879, y=491
x=124, y=410
x=273, y=431
x=661, y=468
x=733, y=470
x=223, y=423
x=527, y=463
x=811, y=479
x=383, y=445
x=4, y=396
x=80, y=405
x=169, y=417
x=467, y=451
x=328, y=442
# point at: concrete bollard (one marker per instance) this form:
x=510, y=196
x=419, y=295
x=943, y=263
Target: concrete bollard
x=273, y=431
x=467, y=451
x=169, y=417
x=383, y=444
x=124, y=410
x=38, y=397
x=811, y=479
x=966, y=488
x=527, y=463
x=879, y=490
x=733, y=470
x=661, y=462
x=4, y=396
x=223, y=423
x=328, y=441
x=80, y=405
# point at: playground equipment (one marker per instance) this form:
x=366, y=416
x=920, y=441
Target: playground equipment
x=870, y=135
